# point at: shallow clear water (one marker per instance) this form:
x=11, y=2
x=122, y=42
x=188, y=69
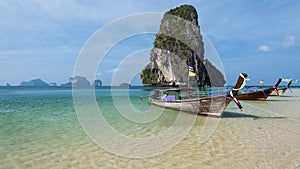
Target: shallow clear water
x=39, y=128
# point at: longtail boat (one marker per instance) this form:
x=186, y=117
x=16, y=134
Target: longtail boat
x=258, y=94
x=281, y=90
x=186, y=100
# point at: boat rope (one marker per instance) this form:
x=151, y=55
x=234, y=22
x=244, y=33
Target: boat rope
x=236, y=101
x=234, y=91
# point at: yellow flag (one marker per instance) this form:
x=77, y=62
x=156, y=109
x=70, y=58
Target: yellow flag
x=192, y=73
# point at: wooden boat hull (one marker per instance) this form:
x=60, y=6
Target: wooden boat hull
x=207, y=105
x=280, y=92
x=257, y=95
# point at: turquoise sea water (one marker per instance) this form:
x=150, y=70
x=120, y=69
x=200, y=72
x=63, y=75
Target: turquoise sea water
x=39, y=128
x=33, y=122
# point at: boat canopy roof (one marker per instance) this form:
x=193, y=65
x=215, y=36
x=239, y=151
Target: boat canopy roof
x=180, y=90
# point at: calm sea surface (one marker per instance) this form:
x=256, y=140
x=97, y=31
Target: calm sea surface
x=39, y=128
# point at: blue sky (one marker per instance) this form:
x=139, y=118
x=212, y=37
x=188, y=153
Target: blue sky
x=43, y=39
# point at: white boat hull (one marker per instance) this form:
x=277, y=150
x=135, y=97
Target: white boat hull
x=208, y=105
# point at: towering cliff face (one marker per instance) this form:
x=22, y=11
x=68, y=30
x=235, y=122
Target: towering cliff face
x=178, y=46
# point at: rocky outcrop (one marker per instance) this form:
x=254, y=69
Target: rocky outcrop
x=77, y=81
x=35, y=83
x=178, y=46
x=97, y=83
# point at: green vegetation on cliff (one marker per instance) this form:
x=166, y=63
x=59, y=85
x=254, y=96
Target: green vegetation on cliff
x=149, y=76
x=187, y=12
x=173, y=45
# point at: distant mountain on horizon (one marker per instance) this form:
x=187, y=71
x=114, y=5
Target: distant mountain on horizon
x=77, y=81
x=35, y=82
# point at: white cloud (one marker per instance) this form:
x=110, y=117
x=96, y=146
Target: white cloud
x=113, y=70
x=264, y=48
x=289, y=41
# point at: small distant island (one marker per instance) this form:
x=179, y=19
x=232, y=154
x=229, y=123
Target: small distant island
x=125, y=85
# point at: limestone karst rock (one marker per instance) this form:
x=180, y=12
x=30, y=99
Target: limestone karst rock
x=178, y=46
